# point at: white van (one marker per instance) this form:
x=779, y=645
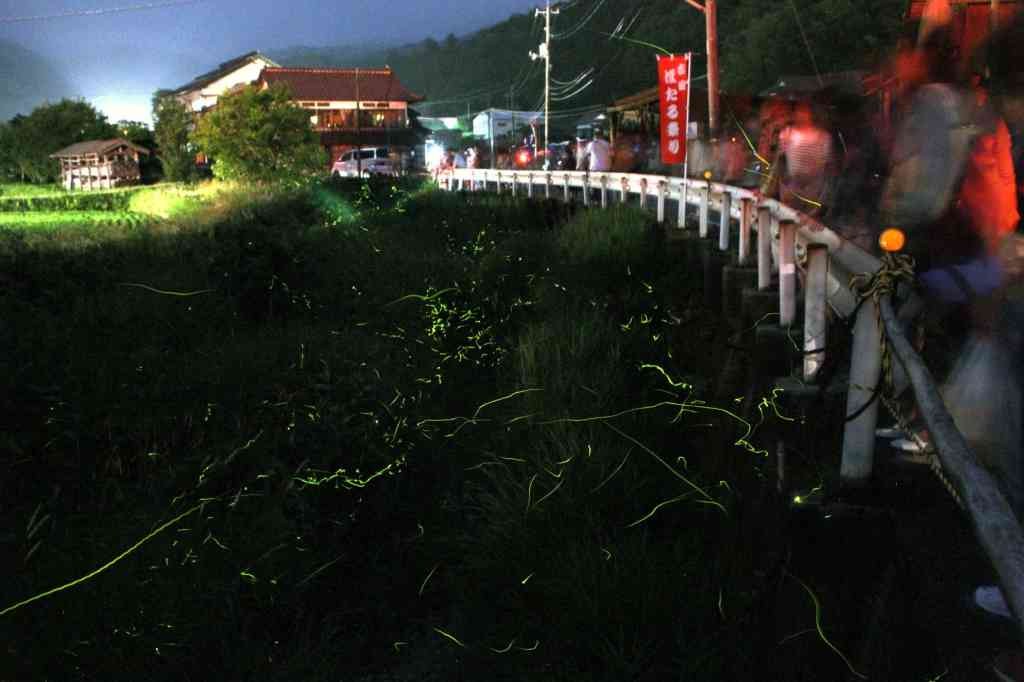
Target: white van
x=369, y=160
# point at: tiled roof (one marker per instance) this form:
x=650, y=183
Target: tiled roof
x=99, y=147
x=224, y=69
x=317, y=84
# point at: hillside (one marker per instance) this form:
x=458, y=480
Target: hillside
x=758, y=42
x=26, y=81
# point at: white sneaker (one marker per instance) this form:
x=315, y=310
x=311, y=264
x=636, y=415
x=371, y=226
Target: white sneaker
x=907, y=445
x=889, y=432
x=990, y=598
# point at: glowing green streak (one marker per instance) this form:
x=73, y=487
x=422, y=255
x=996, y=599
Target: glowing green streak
x=521, y=418
x=549, y=494
x=529, y=492
x=817, y=625
x=583, y=420
x=507, y=397
x=638, y=42
x=429, y=575
x=104, y=567
x=707, y=498
x=526, y=580
x=533, y=648
x=180, y=294
x=449, y=636
x=420, y=297
x=656, y=508
x=318, y=571
x=505, y=650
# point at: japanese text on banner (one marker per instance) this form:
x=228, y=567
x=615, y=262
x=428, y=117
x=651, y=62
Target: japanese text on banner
x=673, y=88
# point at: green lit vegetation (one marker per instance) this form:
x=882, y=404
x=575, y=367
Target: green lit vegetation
x=377, y=429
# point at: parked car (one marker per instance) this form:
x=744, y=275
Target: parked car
x=369, y=161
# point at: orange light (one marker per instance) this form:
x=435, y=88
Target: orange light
x=707, y=175
x=892, y=240
x=524, y=157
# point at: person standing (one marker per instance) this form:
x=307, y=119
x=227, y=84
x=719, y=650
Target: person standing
x=599, y=154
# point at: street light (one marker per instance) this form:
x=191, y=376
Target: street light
x=710, y=10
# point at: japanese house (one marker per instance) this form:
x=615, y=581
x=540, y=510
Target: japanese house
x=202, y=92
x=352, y=107
x=100, y=164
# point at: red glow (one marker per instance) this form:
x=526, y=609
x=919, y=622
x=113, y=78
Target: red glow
x=524, y=157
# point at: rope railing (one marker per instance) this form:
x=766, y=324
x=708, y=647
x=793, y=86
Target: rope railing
x=831, y=264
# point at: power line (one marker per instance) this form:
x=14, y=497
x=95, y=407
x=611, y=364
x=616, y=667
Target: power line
x=99, y=11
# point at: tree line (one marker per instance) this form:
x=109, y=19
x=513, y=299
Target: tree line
x=253, y=134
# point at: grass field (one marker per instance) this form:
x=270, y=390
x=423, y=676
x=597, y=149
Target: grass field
x=64, y=220
x=380, y=432
x=26, y=190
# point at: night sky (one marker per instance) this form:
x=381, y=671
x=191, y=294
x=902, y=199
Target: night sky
x=118, y=60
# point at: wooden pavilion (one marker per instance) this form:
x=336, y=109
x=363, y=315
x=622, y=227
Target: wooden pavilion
x=100, y=164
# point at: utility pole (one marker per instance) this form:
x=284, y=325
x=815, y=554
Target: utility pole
x=544, y=52
x=710, y=10
x=359, y=132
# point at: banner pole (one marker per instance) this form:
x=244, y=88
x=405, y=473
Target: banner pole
x=686, y=127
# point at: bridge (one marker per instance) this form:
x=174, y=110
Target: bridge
x=763, y=262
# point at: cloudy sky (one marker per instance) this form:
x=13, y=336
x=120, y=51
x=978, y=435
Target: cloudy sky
x=117, y=52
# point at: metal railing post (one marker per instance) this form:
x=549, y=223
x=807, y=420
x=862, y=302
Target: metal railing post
x=787, y=272
x=529, y=186
x=684, y=190
x=643, y=194
x=815, y=304
x=566, y=186
x=723, y=230
x=661, y=201
x=746, y=215
x=547, y=185
x=865, y=374
x=604, y=191
x=515, y=185
x=586, y=190
x=705, y=212
x=499, y=183
x=764, y=248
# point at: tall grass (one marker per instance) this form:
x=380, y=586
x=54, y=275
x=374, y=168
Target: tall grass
x=423, y=429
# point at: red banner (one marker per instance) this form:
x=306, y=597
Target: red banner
x=674, y=88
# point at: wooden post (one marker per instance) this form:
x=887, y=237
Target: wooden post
x=684, y=189
x=865, y=373
x=604, y=191
x=764, y=248
x=724, y=219
x=787, y=272
x=815, y=308
x=661, y=201
x=705, y=211
x=547, y=185
x=746, y=216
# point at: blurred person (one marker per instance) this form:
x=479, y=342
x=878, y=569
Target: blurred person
x=581, y=154
x=458, y=159
x=804, y=166
x=599, y=154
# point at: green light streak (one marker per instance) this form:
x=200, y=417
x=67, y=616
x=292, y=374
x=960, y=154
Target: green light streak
x=505, y=650
x=817, y=625
x=549, y=494
x=503, y=398
x=425, y=580
x=449, y=636
x=163, y=292
x=707, y=498
x=657, y=507
x=104, y=567
x=318, y=571
x=421, y=297
x=526, y=579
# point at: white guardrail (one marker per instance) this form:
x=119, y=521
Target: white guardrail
x=830, y=264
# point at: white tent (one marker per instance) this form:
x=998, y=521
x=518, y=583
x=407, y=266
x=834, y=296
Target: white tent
x=503, y=122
